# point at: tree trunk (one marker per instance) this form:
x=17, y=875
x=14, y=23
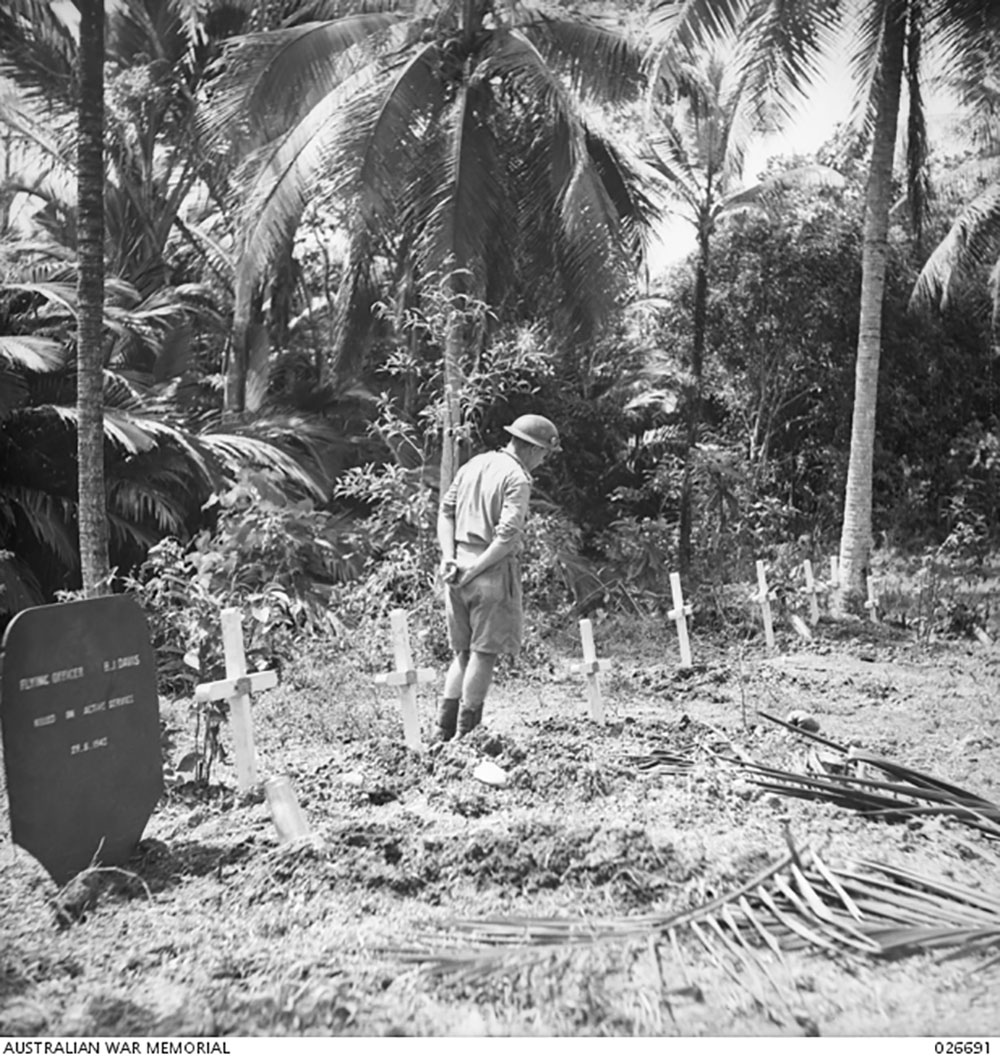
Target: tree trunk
x=686, y=514
x=234, y=388
x=453, y=345
x=92, y=509
x=856, y=533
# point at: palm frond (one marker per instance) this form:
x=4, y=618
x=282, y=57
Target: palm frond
x=866, y=63
x=389, y=127
x=960, y=31
x=235, y=451
x=26, y=116
x=14, y=391
x=468, y=200
x=600, y=61
x=33, y=353
x=625, y=181
x=323, y=10
x=779, y=56
x=153, y=500
x=63, y=294
x=272, y=80
x=277, y=179
x=900, y=793
x=972, y=242
x=44, y=516
x=669, y=159
x=354, y=307
x=689, y=25
x=19, y=588
x=565, y=167
x=864, y=907
x=38, y=49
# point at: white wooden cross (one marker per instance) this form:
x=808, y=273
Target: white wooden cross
x=406, y=678
x=810, y=591
x=764, y=598
x=679, y=614
x=591, y=667
x=237, y=688
x=834, y=572
x=872, y=602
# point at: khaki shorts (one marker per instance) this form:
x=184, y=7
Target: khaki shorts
x=486, y=615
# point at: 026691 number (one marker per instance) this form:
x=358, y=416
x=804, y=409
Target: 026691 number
x=962, y=1048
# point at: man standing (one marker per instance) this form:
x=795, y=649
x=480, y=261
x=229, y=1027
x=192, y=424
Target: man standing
x=480, y=529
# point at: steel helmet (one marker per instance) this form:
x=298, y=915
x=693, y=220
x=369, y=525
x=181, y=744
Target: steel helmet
x=536, y=430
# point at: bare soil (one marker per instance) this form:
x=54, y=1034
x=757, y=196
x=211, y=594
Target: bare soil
x=216, y=928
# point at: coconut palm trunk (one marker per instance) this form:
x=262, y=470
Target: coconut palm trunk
x=454, y=347
x=685, y=548
x=92, y=512
x=856, y=532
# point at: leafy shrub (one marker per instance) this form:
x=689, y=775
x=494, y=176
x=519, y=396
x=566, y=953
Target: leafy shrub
x=273, y=560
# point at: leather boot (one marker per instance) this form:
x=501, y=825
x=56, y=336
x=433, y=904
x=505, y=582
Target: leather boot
x=448, y=718
x=469, y=718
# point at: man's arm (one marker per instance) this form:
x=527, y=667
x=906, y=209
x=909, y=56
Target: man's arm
x=508, y=532
x=446, y=542
x=495, y=551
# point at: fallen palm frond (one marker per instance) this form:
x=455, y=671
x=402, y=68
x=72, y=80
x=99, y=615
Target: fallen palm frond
x=798, y=902
x=899, y=793
x=661, y=761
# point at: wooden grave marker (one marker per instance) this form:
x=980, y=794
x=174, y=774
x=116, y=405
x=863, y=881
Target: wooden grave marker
x=81, y=732
x=679, y=613
x=811, y=592
x=592, y=668
x=405, y=678
x=237, y=687
x=872, y=602
x=764, y=598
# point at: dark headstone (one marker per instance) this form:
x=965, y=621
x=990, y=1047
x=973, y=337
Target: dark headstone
x=81, y=732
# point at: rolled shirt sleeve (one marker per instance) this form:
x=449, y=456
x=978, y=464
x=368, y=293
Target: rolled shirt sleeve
x=514, y=510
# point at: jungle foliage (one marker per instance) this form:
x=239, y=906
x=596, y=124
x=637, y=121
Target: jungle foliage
x=725, y=383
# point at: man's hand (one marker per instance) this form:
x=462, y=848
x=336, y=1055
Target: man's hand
x=450, y=571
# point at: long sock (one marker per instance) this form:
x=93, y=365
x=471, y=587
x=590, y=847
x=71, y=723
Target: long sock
x=448, y=719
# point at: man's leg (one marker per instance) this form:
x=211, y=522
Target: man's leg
x=453, y=680
x=478, y=675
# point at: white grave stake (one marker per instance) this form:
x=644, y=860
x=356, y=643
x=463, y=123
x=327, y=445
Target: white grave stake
x=405, y=678
x=591, y=667
x=872, y=602
x=764, y=598
x=834, y=572
x=679, y=614
x=810, y=590
x=237, y=687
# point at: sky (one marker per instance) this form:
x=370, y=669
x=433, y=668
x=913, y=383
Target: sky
x=813, y=124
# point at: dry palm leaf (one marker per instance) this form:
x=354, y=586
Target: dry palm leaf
x=800, y=901
x=900, y=793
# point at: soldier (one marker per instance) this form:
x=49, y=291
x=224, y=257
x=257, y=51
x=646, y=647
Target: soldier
x=480, y=529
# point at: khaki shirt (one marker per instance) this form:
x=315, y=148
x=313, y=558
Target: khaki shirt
x=488, y=499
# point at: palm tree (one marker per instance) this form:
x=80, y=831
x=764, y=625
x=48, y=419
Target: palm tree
x=699, y=144
x=92, y=514
x=456, y=132
x=972, y=242
x=160, y=468
x=158, y=54
x=780, y=44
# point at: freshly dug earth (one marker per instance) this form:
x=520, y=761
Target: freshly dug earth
x=217, y=929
